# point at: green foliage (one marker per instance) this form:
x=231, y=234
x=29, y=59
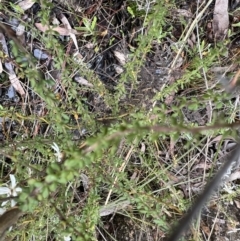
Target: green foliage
x=156, y=19
x=128, y=159
x=90, y=26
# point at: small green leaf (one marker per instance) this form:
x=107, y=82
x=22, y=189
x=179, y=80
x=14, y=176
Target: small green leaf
x=236, y=24
x=129, y=9
x=219, y=105
x=193, y=106
x=17, y=8
x=94, y=21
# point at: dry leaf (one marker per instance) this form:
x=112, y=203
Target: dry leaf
x=26, y=4
x=183, y=13
x=113, y=207
x=192, y=40
x=20, y=30
x=179, y=62
x=143, y=147
x=16, y=84
x=67, y=25
x=85, y=181
x=4, y=44
x=82, y=81
x=202, y=165
x=220, y=19
x=1, y=67
x=55, y=21
x=78, y=57
x=120, y=57
x=12, y=76
x=118, y=69
x=103, y=33
x=14, y=79
x=60, y=30
x=234, y=176
x=222, y=69
x=237, y=203
x=205, y=229
x=89, y=45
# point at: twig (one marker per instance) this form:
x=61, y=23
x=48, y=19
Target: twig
x=234, y=80
x=121, y=169
x=192, y=26
x=159, y=129
x=196, y=208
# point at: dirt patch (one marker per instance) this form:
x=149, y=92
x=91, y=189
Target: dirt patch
x=123, y=228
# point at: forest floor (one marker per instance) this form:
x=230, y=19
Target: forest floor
x=114, y=115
